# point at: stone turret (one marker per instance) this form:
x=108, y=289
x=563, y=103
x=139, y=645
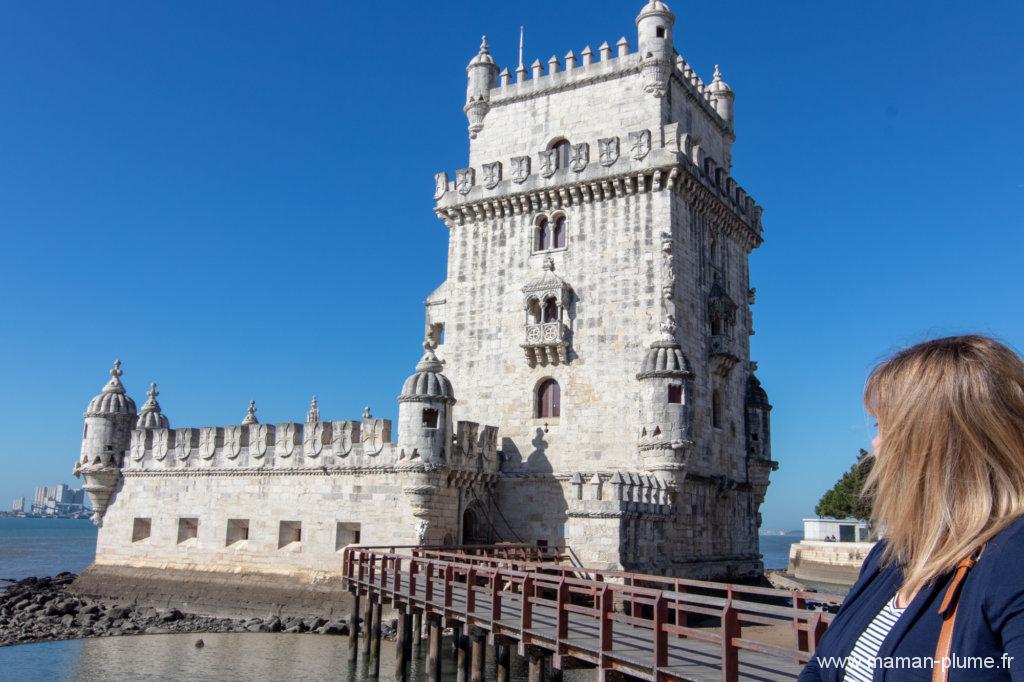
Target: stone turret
x=109, y=420
x=150, y=416
x=758, y=425
x=482, y=75
x=666, y=403
x=654, y=43
x=724, y=97
x=425, y=412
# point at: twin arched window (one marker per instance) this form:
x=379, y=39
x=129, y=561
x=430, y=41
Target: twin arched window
x=549, y=400
x=550, y=234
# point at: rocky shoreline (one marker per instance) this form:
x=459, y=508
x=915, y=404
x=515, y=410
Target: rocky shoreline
x=44, y=609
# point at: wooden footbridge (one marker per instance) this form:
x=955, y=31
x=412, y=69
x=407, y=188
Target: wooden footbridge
x=624, y=625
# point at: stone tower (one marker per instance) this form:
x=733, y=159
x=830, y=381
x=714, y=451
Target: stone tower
x=597, y=306
x=109, y=421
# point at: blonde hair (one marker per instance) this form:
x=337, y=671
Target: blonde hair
x=949, y=471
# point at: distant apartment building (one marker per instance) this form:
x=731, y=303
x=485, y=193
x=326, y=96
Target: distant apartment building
x=19, y=505
x=60, y=500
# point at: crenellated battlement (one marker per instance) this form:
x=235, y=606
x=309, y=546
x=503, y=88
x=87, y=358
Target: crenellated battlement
x=344, y=444
x=635, y=162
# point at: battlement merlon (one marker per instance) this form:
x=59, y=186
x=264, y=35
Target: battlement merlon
x=638, y=161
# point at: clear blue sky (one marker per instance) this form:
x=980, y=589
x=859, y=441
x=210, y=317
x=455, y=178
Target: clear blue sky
x=235, y=199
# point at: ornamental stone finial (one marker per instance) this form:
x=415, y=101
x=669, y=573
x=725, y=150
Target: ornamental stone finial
x=314, y=412
x=429, y=361
x=668, y=328
x=483, y=43
x=251, y=417
x=549, y=264
x=115, y=385
x=366, y=413
x=150, y=416
x=152, y=392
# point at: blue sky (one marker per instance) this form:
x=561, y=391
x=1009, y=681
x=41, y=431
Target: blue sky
x=235, y=199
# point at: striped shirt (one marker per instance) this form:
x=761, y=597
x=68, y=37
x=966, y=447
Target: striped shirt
x=861, y=664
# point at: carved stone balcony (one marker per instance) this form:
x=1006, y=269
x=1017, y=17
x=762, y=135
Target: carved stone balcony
x=546, y=344
x=723, y=354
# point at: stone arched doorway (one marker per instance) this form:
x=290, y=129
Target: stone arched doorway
x=475, y=529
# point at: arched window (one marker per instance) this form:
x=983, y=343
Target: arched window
x=716, y=409
x=549, y=399
x=535, y=312
x=563, y=152
x=550, y=310
x=558, y=237
x=543, y=235
x=716, y=325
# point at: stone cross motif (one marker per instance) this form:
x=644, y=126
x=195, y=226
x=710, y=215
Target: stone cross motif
x=183, y=443
x=492, y=174
x=579, y=156
x=520, y=168
x=640, y=144
x=207, y=442
x=285, y=441
x=440, y=184
x=314, y=439
x=548, y=162
x=258, y=440
x=232, y=441
x=608, y=149
x=162, y=445
x=138, y=447
x=465, y=178
x=343, y=438
x=373, y=437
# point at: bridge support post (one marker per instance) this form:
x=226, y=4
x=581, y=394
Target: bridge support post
x=456, y=640
x=353, y=631
x=535, y=667
x=403, y=646
x=367, y=622
x=556, y=674
x=434, y=648
x=417, y=628
x=503, y=657
x=462, y=659
x=476, y=673
x=375, y=641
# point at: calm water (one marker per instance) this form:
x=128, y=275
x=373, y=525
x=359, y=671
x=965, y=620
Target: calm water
x=775, y=549
x=40, y=547
x=224, y=658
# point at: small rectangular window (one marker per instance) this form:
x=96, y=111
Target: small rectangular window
x=346, y=534
x=660, y=32
x=430, y=418
x=238, y=531
x=188, y=529
x=141, y=529
x=289, y=533
x=675, y=394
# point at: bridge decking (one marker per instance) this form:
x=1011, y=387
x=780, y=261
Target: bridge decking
x=588, y=618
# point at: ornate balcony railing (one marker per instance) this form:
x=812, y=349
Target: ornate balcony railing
x=546, y=343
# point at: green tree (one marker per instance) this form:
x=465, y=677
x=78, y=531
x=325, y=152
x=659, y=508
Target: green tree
x=845, y=498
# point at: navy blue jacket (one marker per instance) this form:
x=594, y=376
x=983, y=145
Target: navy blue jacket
x=989, y=622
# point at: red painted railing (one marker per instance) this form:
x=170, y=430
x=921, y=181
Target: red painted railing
x=659, y=608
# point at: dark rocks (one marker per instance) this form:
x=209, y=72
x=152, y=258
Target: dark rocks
x=40, y=609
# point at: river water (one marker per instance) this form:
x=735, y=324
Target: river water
x=40, y=547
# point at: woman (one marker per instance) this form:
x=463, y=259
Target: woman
x=947, y=487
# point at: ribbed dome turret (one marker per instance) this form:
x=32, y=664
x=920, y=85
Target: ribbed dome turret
x=428, y=383
x=665, y=358
x=113, y=399
x=150, y=417
x=756, y=395
x=483, y=56
x=718, y=85
x=655, y=7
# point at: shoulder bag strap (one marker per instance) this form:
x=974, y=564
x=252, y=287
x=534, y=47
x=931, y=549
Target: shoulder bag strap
x=947, y=610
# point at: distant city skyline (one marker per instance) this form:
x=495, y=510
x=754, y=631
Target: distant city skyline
x=198, y=190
